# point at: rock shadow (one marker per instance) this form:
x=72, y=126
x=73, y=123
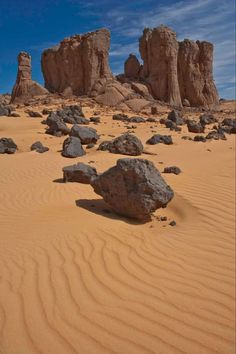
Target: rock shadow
x=99, y=207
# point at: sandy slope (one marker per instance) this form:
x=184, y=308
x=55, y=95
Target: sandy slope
x=75, y=278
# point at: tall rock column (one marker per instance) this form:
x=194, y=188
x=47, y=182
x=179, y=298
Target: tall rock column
x=25, y=87
x=195, y=73
x=159, y=52
x=77, y=63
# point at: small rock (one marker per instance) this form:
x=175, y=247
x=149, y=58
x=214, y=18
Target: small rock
x=38, y=147
x=34, y=114
x=195, y=127
x=157, y=138
x=172, y=169
x=176, y=117
x=95, y=119
x=14, y=114
x=200, y=138
x=7, y=146
x=207, y=118
x=172, y=223
x=80, y=172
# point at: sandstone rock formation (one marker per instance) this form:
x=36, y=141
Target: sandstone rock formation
x=159, y=52
x=179, y=73
x=25, y=87
x=134, y=188
x=195, y=73
x=77, y=63
x=132, y=67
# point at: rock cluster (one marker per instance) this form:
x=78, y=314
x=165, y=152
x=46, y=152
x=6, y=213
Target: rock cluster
x=25, y=87
x=179, y=73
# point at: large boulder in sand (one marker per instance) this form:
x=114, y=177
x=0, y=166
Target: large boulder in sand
x=72, y=147
x=80, y=172
x=159, y=51
x=25, y=87
x=85, y=134
x=77, y=63
x=56, y=125
x=72, y=114
x=133, y=188
x=7, y=146
x=126, y=144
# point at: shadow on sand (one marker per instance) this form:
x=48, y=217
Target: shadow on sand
x=99, y=207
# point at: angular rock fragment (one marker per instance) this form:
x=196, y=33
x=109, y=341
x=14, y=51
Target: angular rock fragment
x=7, y=146
x=72, y=147
x=80, y=172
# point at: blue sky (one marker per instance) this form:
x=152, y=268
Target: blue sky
x=34, y=25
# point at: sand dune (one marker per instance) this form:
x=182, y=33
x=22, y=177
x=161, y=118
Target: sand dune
x=76, y=278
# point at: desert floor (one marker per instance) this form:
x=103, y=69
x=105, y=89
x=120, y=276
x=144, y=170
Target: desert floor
x=77, y=278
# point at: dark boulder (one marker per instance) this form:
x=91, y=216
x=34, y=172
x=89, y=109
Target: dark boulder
x=172, y=169
x=4, y=110
x=80, y=172
x=95, y=119
x=133, y=188
x=136, y=120
x=72, y=147
x=176, y=117
x=38, y=147
x=195, y=127
x=157, y=139
x=104, y=146
x=7, y=146
x=207, y=118
x=72, y=114
x=56, y=125
x=120, y=116
x=200, y=138
x=216, y=135
x=85, y=134
x=126, y=144
x=34, y=114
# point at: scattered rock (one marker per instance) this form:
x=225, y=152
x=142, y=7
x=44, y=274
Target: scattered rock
x=176, y=117
x=126, y=144
x=195, y=127
x=104, y=146
x=56, y=125
x=216, y=135
x=207, y=118
x=38, y=147
x=157, y=139
x=85, y=134
x=200, y=138
x=122, y=117
x=72, y=147
x=133, y=188
x=136, y=119
x=95, y=119
x=172, y=223
x=186, y=137
x=34, y=114
x=14, y=114
x=46, y=111
x=172, y=169
x=80, y=172
x=151, y=120
x=72, y=114
x=7, y=146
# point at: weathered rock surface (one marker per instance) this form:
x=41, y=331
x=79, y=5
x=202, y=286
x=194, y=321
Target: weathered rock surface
x=25, y=87
x=176, y=72
x=195, y=127
x=72, y=147
x=176, y=117
x=56, y=125
x=80, y=172
x=72, y=114
x=7, y=146
x=206, y=119
x=126, y=144
x=172, y=169
x=195, y=73
x=85, y=134
x=157, y=139
x=39, y=147
x=4, y=110
x=132, y=67
x=133, y=188
x=159, y=52
x=77, y=63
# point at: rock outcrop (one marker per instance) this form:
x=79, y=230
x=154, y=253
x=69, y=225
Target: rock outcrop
x=159, y=52
x=133, y=188
x=77, y=63
x=179, y=73
x=195, y=75
x=132, y=67
x=25, y=87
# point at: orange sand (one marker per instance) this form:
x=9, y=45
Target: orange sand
x=76, y=279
